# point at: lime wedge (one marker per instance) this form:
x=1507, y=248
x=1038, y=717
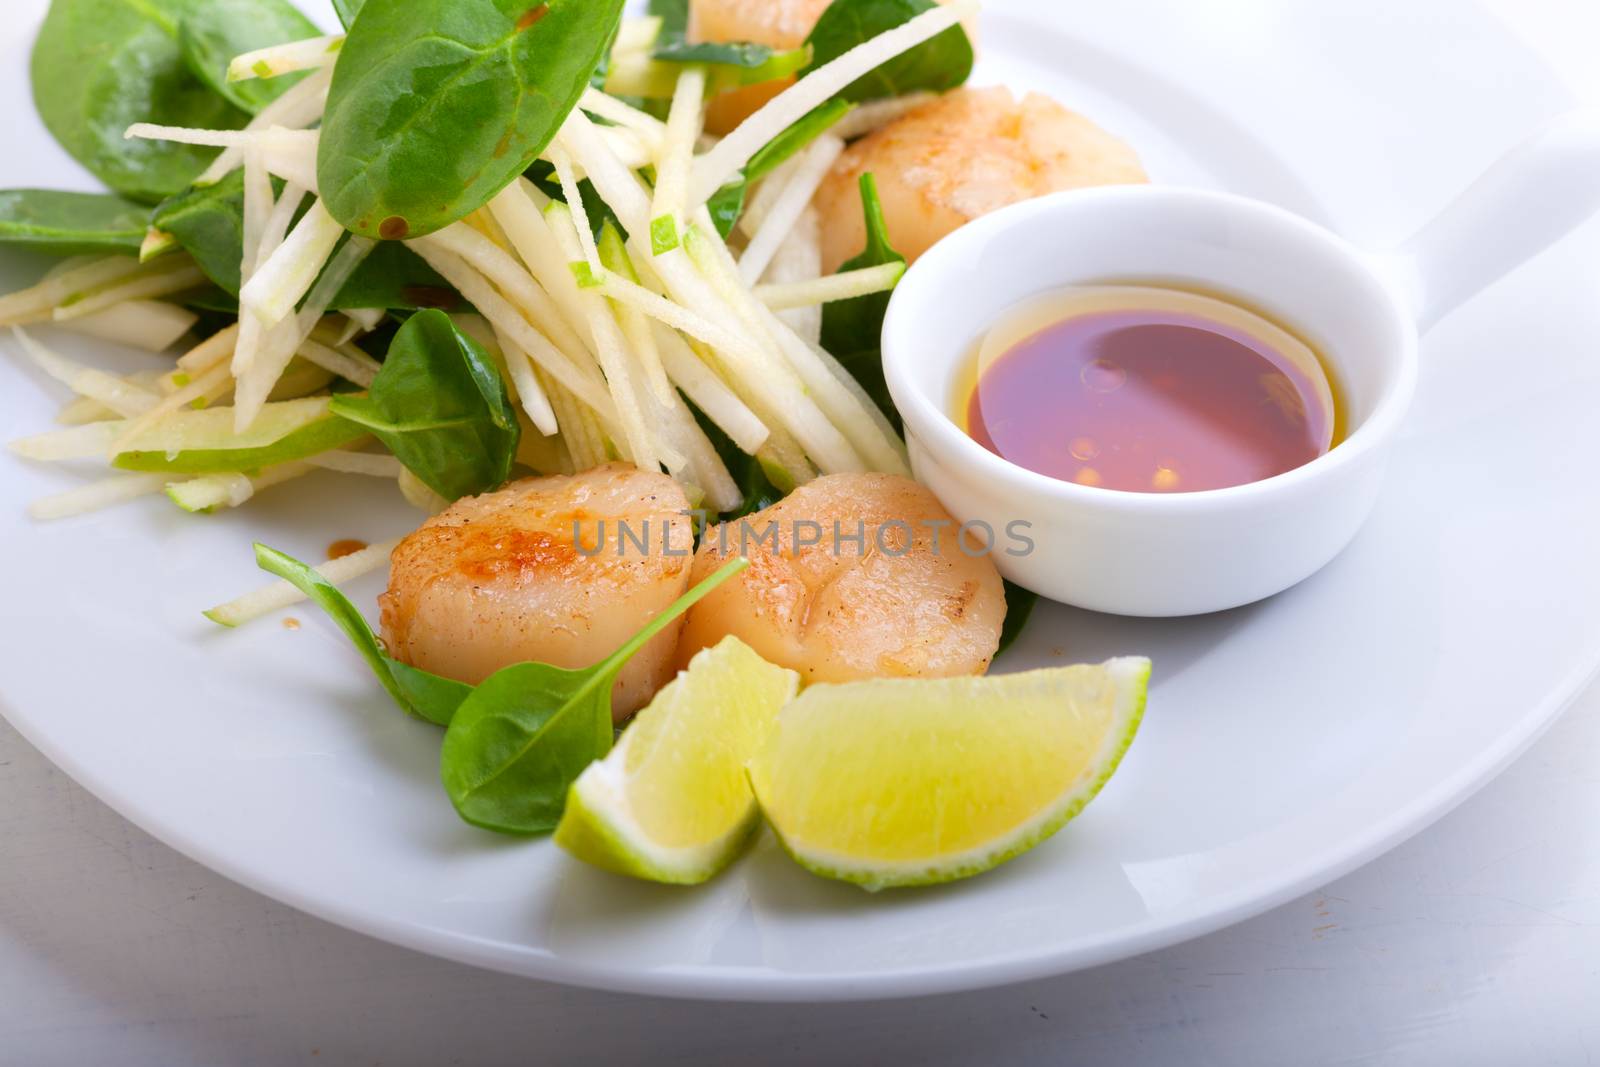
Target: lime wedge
x=911, y=782
x=672, y=803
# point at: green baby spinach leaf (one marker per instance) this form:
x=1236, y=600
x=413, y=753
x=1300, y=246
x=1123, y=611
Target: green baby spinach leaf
x=673, y=44
x=936, y=65
x=395, y=278
x=853, y=329
x=597, y=77
x=527, y=731
x=1019, y=607
x=437, y=105
x=347, y=10
x=427, y=696
x=440, y=406
x=208, y=222
x=729, y=64
x=71, y=223
x=674, y=16
x=730, y=53
x=210, y=34
x=98, y=67
x=727, y=204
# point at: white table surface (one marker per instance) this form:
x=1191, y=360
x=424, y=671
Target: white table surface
x=1478, y=942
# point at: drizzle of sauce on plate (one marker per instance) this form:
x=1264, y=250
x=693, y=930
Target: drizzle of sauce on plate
x=348, y=546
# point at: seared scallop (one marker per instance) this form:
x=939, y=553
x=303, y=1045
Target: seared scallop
x=961, y=156
x=560, y=570
x=853, y=576
x=778, y=24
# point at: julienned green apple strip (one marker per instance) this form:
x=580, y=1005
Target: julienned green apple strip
x=502, y=314
x=761, y=372
x=118, y=394
x=684, y=124
x=39, y=302
x=153, y=325
x=635, y=326
x=102, y=493
x=277, y=60
x=643, y=447
x=842, y=286
x=282, y=594
x=296, y=109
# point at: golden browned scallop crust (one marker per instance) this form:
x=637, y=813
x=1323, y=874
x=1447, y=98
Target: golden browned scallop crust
x=780, y=24
x=842, y=610
x=961, y=156
x=523, y=574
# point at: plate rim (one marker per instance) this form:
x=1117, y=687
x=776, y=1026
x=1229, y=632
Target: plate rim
x=758, y=984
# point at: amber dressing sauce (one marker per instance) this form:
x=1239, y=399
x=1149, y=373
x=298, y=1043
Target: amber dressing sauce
x=1148, y=389
x=348, y=546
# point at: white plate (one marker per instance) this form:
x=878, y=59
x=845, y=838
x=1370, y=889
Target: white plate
x=1285, y=743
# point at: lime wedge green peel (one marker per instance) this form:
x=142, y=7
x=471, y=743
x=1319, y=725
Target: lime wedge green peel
x=671, y=803
x=913, y=782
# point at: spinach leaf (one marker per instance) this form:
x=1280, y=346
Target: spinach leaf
x=98, y=67
x=805, y=130
x=727, y=204
x=418, y=693
x=440, y=406
x=210, y=34
x=527, y=731
x=429, y=696
x=208, y=221
x=674, y=16
x=1019, y=606
x=347, y=10
x=437, y=105
x=71, y=223
x=673, y=45
x=394, y=277
x=729, y=53
x=729, y=64
x=597, y=76
x=935, y=65
x=853, y=329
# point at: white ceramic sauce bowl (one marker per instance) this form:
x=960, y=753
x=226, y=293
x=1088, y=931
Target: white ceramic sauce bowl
x=1166, y=554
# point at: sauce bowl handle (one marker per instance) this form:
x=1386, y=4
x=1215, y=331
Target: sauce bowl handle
x=1537, y=193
